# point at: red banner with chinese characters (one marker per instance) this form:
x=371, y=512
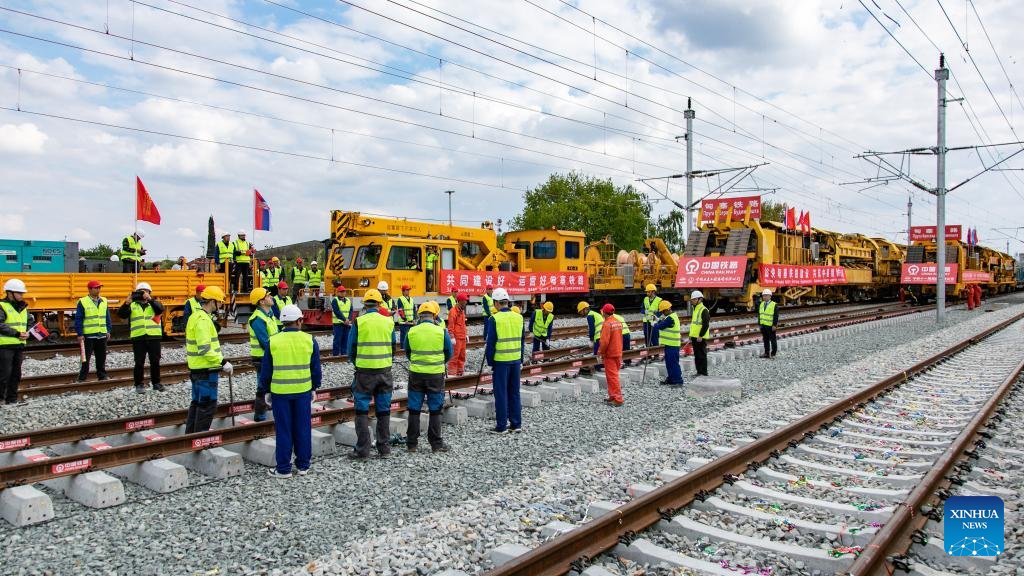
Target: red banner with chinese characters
x=953, y=232
x=705, y=272
x=738, y=204
x=976, y=276
x=474, y=283
x=775, y=275
x=927, y=273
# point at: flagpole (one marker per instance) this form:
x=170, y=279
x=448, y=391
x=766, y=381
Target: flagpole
x=135, y=268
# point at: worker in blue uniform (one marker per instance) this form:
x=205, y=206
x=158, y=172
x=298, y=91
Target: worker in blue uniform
x=370, y=350
x=341, y=318
x=504, y=354
x=540, y=325
x=667, y=327
x=92, y=324
x=262, y=325
x=428, y=348
x=291, y=371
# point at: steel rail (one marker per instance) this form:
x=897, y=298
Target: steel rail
x=574, y=548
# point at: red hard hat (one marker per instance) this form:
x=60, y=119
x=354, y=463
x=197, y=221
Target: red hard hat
x=461, y=298
x=200, y=288
x=341, y=288
x=263, y=262
x=406, y=287
x=298, y=260
x=608, y=309
x=94, y=284
x=282, y=285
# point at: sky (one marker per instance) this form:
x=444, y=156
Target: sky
x=379, y=106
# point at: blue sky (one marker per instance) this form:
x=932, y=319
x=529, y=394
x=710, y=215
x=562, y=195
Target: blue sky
x=803, y=86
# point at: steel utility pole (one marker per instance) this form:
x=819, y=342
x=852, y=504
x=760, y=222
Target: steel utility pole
x=689, y=114
x=941, y=75
x=910, y=208
x=449, y=193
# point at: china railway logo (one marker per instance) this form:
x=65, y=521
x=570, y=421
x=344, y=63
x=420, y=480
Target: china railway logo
x=973, y=526
x=913, y=270
x=73, y=466
x=15, y=444
x=692, y=266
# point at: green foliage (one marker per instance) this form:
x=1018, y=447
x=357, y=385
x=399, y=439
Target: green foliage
x=98, y=252
x=773, y=211
x=670, y=228
x=595, y=207
x=211, y=239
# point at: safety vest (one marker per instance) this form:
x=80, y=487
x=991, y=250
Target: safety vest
x=451, y=303
x=313, y=277
x=767, y=314
x=670, y=336
x=426, y=341
x=193, y=304
x=508, y=331
x=95, y=318
x=651, y=308
x=345, y=305
x=373, y=341
x=300, y=275
x=134, y=251
x=202, y=347
x=142, y=323
x=271, y=277
x=225, y=251
x=431, y=260
x=408, y=306
x=18, y=321
x=243, y=246
x=255, y=350
x=625, y=325
x=291, y=352
x=488, y=304
x=281, y=303
x=696, y=320
x=541, y=326
x=598, y=324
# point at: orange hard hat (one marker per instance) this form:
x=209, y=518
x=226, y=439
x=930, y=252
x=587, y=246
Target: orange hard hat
x=406, y=287
x=200, y=288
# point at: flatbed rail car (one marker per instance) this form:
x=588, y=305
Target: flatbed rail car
x=53, y=297
x=996, y=266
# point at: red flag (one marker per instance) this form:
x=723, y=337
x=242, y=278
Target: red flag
x=145, y=210
x=791, y=219
x=805, y=222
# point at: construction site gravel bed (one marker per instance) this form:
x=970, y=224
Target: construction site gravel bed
x=420, y=513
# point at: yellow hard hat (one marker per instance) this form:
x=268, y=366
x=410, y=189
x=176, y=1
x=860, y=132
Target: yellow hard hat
x=651, y=288
x=256, y=295
x=212, y=293
x=582, y=306
x=549, y=306
x=517, y=310
x=372, y=296
x=436, y=307
x=429, y=307
x=275, y=259
x=665, y=305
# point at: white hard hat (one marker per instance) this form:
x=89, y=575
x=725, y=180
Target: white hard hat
x=224, y=233
x=382, y=285
x=143, y=286
x=500, y=294
x=15, y=285
x=313, y=263
x=241, y=232
x=696, y=294
x=766, y=292
x=114, y=258
x=290, y=313
x=140, y=234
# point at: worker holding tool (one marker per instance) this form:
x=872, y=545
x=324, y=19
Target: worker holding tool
x=540, y=326
x=202, y=351
x=459, y=335
x=92, y=324
x=242, y=251
x=595, y=321
x=650, y=308
x=262, y=325
x=224, y=253
x=768, y=319
x=504, y=354
x=281, y=300
x=668, y=337
x=405, y=309
x=370, y=350
x=341, y=318
x=192, y=304
x=14, y=318
x=132, y=252
x=610, y=352
x=428, y=349
x=143, y=312
x=291, y=371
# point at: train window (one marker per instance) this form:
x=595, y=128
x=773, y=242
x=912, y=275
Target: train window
x=346, y=256
x=572, y=249
x=469, y=250
x=12, y=257
x=404, y=258
x=38, y=258
x=367, y=257
x=447, y=259
x=545, y=249
x=524, y=246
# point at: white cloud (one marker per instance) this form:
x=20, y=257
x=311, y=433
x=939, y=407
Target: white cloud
x=22, y=138
x=80, y=235
x=186, y=233
x=189, y=159
x=12, y=223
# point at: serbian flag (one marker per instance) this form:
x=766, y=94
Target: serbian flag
x=261, y=212
x=145, y=210
x=791, y=219
x=39, y=332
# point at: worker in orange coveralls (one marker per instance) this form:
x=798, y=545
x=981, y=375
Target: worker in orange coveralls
x=610, y=352
x=457, y=329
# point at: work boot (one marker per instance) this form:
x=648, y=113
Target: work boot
x=190, y=420
x=442, y=447
x=158, y=387
x=362, y=447
x=140, y=389
x=102, y=376
x=412, y=431
x=434, y=430
x=83, y=372
x=384, y=433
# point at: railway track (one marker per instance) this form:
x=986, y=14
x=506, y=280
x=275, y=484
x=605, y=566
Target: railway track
x=729, y=336
x=846, y=489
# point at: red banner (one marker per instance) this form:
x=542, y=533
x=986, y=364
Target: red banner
x=145, y=210
x=774, y=275
x=738, y=204
x=976, y=276
x=927, y=273
x=705, y=272
x=953, y=232
x=474, y=283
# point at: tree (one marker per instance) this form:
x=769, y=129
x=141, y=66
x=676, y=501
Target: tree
x=669, y=227
x=773, y=211
x=595, y=207
x=98, y=252
x=211, y=239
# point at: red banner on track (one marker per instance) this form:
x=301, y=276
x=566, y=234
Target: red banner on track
x=738, y=204
x=775, y=275
x=976, y=276
x=927, y=273
x=711, y=272
x=953, y=232
x=474, y=283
